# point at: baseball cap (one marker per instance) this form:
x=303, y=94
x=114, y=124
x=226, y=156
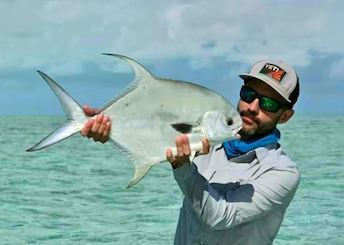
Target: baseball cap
x=278, y=75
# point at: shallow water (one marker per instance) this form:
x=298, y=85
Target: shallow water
x=74, y=192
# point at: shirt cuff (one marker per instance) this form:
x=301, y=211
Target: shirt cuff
x=184, y=172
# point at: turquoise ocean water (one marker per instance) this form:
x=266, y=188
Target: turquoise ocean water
x=74, y=192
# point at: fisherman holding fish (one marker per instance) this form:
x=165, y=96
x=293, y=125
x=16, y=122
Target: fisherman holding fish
x=236, y=192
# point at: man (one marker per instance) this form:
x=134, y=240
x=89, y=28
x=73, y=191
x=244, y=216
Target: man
x=237, y=192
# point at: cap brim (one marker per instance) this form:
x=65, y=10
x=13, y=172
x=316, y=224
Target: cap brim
x=269, y=82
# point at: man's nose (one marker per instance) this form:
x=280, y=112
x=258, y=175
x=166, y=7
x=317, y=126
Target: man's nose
x=254, y=106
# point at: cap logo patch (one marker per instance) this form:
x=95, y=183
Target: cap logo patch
x=273, y=71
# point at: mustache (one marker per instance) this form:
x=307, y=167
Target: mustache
x=249, y=115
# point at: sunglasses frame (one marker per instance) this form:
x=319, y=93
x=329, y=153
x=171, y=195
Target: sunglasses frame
x=260, y=97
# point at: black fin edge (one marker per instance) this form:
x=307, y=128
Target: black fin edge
x=183, y=128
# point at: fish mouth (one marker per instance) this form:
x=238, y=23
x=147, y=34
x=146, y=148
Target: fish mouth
x=236, y=130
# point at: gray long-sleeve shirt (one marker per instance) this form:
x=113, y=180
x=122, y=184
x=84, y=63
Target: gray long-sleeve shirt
x=241, y=201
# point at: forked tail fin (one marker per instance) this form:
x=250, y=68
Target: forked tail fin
x=76, y=117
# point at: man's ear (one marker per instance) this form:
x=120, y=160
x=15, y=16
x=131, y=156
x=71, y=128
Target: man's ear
x=286, y=115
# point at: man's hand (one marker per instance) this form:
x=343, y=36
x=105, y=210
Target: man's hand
x=184, y=151
x=98, y=128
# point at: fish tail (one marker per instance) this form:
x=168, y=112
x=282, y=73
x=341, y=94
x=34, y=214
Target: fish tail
x=76, y=117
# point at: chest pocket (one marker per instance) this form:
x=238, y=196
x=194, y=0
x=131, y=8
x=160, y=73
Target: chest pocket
x=235, y=173
x=223, y=189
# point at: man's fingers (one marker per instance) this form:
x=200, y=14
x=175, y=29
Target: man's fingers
x=173, y=160
x=106, y=133
x=179, y=142
x=183, y=152
x=90, y=111
x=186, y=145
x=97, y=128
x=169, y=155
x=103, y=125
x=87, y=128
x=96, y=124
x=206, y=146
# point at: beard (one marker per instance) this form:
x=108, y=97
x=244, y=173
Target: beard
x=258, y=129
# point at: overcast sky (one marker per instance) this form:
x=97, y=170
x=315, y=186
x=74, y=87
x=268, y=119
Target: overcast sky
x=206, y=42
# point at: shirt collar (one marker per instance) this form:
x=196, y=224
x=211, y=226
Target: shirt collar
x=262, y=152
x=259, y=153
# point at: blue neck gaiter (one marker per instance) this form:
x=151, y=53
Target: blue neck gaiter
x=237, y=147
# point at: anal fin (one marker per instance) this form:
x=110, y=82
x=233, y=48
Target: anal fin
x=140, y=172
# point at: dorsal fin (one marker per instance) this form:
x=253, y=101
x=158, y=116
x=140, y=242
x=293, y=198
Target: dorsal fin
x=141, y=75
x=140, y=71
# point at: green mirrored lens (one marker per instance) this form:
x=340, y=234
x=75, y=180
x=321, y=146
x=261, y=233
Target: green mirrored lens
x=269, y=104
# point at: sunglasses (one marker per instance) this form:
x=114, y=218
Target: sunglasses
x=267, y=104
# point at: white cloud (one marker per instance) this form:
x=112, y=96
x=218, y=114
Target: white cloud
x=68, y=33
x=337, y=70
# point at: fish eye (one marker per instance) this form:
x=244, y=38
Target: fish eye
x=229, y=121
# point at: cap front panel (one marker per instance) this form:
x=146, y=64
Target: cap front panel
x=274, y=72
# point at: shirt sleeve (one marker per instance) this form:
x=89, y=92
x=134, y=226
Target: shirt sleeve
x=272, y=191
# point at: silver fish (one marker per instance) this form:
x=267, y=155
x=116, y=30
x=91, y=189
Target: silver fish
x=149, y=115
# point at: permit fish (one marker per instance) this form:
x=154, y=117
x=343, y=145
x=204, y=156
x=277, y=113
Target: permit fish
x=149, y=115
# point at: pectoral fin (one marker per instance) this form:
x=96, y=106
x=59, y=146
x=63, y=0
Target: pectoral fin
x=140, y=172
x=186, y=128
